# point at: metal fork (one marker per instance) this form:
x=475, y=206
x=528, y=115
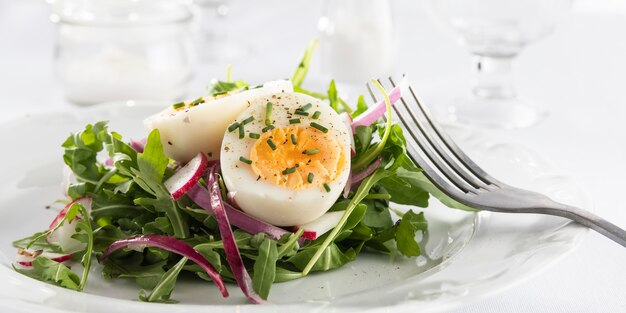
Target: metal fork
x=452, y=171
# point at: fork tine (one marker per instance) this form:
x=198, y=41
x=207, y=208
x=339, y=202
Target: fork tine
x=431, y=170
x=461, y=157
x=450, y=160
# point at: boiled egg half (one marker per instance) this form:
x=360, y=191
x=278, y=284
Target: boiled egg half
x=194, y=127
x=286, y=158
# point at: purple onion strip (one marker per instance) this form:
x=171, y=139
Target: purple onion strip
x=173, y=245
x=228, y=239
x=360, y=176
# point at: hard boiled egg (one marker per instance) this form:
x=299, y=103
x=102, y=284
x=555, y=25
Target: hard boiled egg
x=191, y=128
x=286, y=158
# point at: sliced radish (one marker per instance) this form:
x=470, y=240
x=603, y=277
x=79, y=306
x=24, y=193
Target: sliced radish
x=318, y=227
x=62, y=236
x=138, y=145
x=347, y=120
x=26, y=257
x=187, y=176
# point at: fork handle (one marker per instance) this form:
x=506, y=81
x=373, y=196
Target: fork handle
x=587, y=219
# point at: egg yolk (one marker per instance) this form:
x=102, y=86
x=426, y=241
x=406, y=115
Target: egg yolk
x=277, y=159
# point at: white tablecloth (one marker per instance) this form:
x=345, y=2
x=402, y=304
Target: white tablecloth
x=578, y=74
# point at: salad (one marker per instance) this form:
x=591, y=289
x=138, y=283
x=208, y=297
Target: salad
x=252, y=185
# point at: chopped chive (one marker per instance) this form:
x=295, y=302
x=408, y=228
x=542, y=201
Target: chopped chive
x=196, y=102
x=241, y=132
x=316, y=115
x=244, y=160
x=178, y=105
x=311, y=151
x=289, y=170
x=306, y=107
x=268, y=114
x=248, y=120
x=268, y=127
x=271, y=144
x=326, y=187
x=310, y=178
x=293, y=139
x=232, y=127
x=294, y=121
x=254, y=136
x=300, y=112
x=319, y=127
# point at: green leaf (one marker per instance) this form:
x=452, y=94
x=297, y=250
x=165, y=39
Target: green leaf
x=219, y=87
x=283, y=275
x=265, y=268
x=47, y=270
x=419, y=182
x=152, y=162
x=361, y=107
x=37, y=241
x=405, y=235
x=362, y=138
x=84, y=234
x=332, y=96
x=363, y=190
x=330, y=258
x=163, y=290
x=303, y=66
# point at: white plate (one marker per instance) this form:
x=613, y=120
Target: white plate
x=470, y=256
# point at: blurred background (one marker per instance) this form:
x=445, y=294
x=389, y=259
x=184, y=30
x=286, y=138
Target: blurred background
x=520, y=65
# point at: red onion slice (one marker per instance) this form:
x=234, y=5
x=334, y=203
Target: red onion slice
x=358, y=177
x=237, y=218
x=173, y=245
x=230, y=246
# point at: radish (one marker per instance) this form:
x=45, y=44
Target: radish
x=26, y=257
x=62, y=236
x=318, y=227
x=187, y=176
x=347, y=120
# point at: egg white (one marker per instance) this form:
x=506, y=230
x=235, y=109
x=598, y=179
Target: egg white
x=187, y=132
x=266, y=201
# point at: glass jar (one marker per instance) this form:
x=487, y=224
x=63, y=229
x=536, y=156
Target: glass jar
x=108, y=50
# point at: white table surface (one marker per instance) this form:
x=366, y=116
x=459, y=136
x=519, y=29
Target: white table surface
x=578, y=74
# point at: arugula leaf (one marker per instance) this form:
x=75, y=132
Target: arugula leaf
x=363, y=190
x=405, y=234
x=283, y=275
x=330, y=257
x=370, y=154
x=163, y=290
x=45, y=269
x=37, y=241
x=222, y=87
x=303, y=66
x=265, y=268
x=332, y=96
x=153, y=161
x=421, y=182
x=361, y=107
x=362, y=138
x=81, y=150
x=84, y=234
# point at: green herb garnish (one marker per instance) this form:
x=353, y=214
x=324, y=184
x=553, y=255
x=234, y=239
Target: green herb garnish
x=271, y=144
x=319, y=127
x=311, y=151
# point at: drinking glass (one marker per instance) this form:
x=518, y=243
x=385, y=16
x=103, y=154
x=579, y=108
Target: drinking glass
x=110, y=50
x=495, y=31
